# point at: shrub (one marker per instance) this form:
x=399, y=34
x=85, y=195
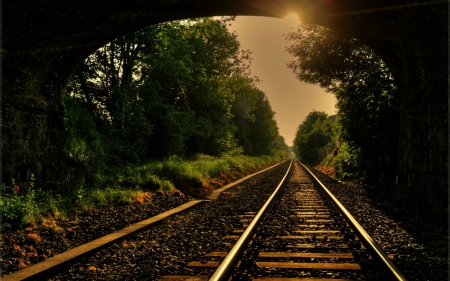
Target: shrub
x=347, y=162
x=19, y=206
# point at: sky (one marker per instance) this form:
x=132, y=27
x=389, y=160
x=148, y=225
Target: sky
x=291, y=99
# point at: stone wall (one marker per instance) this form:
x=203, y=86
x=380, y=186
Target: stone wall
x=423, y=146
x=34, y=148
x=32, y=123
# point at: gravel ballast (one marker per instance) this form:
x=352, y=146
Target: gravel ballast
x=421, y=247
x=165, y=248
x=23, y=247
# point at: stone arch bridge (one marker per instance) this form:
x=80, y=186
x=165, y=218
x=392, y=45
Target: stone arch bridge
x=44, y=40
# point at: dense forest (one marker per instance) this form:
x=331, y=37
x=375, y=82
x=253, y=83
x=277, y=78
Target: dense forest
x=178, y=88
x=364, y=135
x=168, y=108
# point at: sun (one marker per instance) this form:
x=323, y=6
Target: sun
x=291, y=20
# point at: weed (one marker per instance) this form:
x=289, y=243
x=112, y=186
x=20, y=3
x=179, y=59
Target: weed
x=17, y=205
x=174, y=176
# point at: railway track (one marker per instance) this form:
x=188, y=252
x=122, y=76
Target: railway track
x=301, y=233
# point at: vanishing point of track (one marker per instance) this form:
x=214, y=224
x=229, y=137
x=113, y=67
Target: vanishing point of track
x=301, y=233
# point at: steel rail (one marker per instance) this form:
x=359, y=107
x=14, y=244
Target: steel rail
x=365, y=238
x=225, y=269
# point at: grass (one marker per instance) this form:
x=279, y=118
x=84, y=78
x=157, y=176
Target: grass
x=132, y=184
x=178, y=173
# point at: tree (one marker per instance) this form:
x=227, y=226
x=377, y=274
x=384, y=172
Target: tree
x=264, y=129
x=217, y=52
x=104, y=83
x=170, y=89
x=253, y=117
x=312, y=134
x=280, y=144
x=364, y=88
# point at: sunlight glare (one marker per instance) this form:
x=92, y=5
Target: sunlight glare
x=291, y=20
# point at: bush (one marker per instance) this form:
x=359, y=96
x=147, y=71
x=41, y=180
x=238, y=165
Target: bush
x=18, y=206
x=347, y=162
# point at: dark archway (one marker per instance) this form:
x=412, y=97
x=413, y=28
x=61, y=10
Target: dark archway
x=43, y=41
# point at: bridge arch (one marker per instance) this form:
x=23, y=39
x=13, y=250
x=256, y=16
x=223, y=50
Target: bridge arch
x=43, y=41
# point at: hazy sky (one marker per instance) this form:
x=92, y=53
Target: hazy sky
x=291, y=99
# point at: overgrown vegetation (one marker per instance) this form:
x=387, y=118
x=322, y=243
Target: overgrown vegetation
x=178, y=88
x=170, y=107
x=367, y=125
x=19, y=205
x=131, y=184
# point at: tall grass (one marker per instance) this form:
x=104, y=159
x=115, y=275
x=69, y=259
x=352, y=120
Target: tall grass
x=176, y=172
x=124, y=186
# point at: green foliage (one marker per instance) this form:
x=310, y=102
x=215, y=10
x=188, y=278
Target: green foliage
x=257, y=130
x=17, y=205
x=106, y=196
x=280, y=147
x=314, y=135
x=143, y=104
x=264, y=130
x=332, y=62
x=366, y=94
x=21, y=207
x=83, y=142
x=347, y=163
x=179, y=173
x=176, y=88
x=227, y=145
x=49, y=203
